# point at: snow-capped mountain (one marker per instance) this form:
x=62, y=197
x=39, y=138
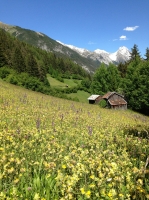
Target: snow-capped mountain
x=121, y=55
x=77, y=49
x=89, y=60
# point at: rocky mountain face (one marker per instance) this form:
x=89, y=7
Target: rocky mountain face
x=121, y=55
x=83, y=57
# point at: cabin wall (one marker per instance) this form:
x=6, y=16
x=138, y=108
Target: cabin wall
x=98, y=99
x=91, y=101
x=119, y=107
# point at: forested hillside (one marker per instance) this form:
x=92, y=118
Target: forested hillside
x=44, y=42
x=26, y=65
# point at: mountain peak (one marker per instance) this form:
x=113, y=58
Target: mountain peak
x=121, y=55
x=99, y=51
x=123, y=49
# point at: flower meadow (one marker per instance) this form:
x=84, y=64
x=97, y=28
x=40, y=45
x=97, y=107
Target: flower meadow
x=54, y=149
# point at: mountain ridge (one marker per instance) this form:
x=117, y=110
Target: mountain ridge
x=83, y=57
x=110, y=57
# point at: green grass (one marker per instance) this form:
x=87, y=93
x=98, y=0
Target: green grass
x=55, y=83
x=72, y=82
x=81, y=95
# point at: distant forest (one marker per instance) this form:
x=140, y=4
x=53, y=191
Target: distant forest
x=28, y=66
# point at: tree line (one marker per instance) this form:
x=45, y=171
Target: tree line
x=131, y=79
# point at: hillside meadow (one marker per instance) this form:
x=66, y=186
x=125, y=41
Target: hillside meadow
x=80, y=95
x=55, y=83
x=55, y=149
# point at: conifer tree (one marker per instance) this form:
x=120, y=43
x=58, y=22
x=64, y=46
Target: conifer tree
x=3, y=41
x=2, y=57
x=32, y=66
x=135, y=53
x=147, y=54
x=18, y=60
x=122, y=68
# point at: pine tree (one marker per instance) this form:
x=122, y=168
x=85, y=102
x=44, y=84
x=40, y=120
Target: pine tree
x=122, y=68
x=135, y=53
x=18, y=61
x=147, y=54
x=3, y=41
x=2, y=57
x=32, y=66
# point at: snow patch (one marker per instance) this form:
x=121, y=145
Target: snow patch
x=60, y=42
x=39, y=33
x=77, y=49
x=99, y=51
x=113, y=56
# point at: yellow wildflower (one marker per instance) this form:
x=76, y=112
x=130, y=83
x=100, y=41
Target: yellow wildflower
x=22, y=170
x=16, y=181
x=92, y=177
x=140, y=182
x=11, y=159
x=88, y=194
x=36, y=197
x=92, y=185
x=64, y=166
x=70, y=196
x=82, y=190
x=121, y=195
x=10, y=170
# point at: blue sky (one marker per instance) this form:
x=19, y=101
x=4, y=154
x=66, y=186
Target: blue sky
x=90, y=24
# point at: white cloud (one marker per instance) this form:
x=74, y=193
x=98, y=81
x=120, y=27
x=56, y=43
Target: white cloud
x=131, y=28
x=123, y=37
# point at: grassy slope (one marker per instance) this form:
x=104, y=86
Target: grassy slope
x=71, y=82
x=56, y=83
x=54, y=148
x=81, y=95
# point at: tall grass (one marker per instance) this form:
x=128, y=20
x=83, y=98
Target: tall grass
x=57, y=149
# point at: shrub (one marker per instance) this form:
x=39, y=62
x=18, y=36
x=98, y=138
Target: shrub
x=102, y=103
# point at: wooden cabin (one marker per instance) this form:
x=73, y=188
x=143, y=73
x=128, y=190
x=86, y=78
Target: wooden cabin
x=94, y=98
x=115, y=100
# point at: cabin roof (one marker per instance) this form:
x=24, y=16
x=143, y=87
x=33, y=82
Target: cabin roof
x=117, y=102
x=93, y=97
x=109, y=94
